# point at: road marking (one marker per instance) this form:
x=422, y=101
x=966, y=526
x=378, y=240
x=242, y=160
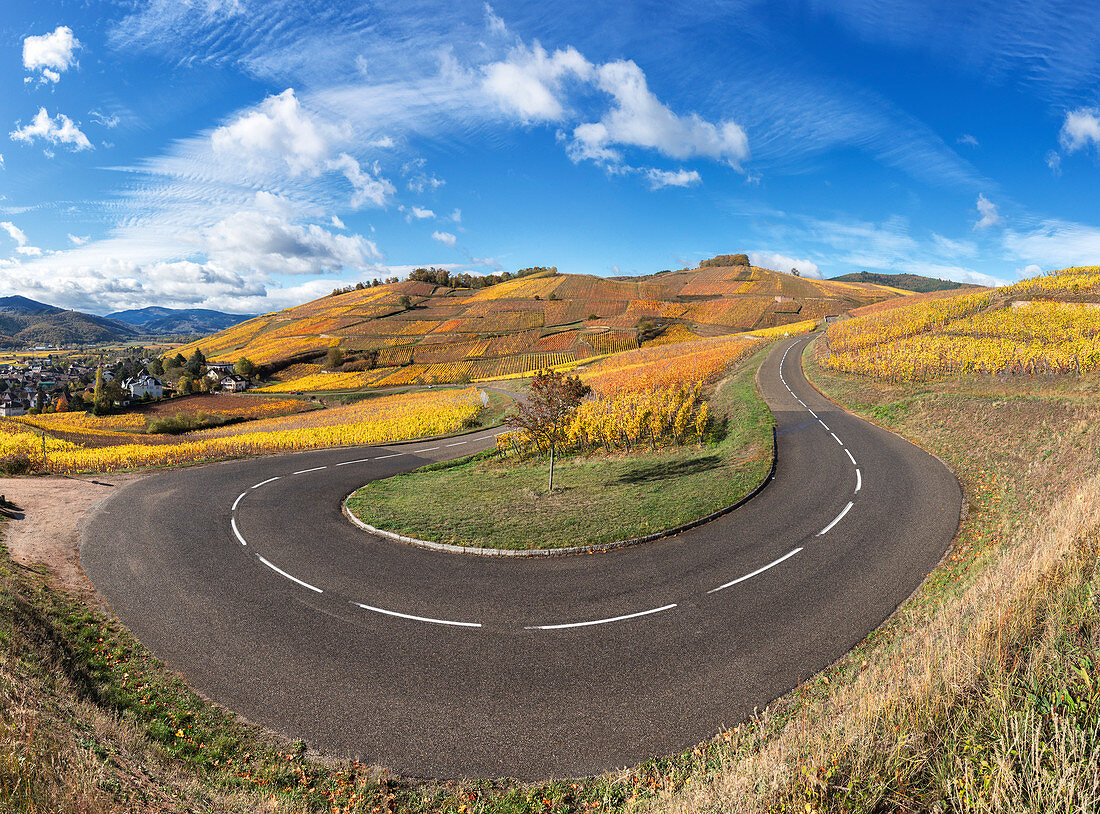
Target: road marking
x=456, y=444
x=823, y=424
x=426, y=449
x=859, y=480
x=269, y=480
x=279, y=570
x=358, y=461
x=839, y=517
x=304, y=471
x=757, y=572
x=600, y=621
x=811, y=412
x=416, y=618
x=853, y=460
x=395, y=455
x=233, y=523
x=837, y=439
x=800, y=401
x=238, y=500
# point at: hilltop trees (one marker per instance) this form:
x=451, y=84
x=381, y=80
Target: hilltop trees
x=724, y=260
x=553, y=398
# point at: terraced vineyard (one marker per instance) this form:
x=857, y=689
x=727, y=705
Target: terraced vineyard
x=416, y=333
x=1044, y=325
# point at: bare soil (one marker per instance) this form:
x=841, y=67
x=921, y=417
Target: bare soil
x=45, y=529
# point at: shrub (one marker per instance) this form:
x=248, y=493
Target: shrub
x=16, y=463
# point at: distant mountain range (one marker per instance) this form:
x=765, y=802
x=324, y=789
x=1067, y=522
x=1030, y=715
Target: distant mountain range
x=908, y=282
x=176, y=321
x=25, y=322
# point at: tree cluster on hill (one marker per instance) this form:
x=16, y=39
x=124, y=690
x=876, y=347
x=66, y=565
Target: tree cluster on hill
x=360, y=286
x=443, y=277
x=438, y=276
x=908, y=282
x=724, y=260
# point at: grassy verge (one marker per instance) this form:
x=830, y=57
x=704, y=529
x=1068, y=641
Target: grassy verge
x=483, y=501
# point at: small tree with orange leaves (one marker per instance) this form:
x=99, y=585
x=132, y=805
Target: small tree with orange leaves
x=546, y=413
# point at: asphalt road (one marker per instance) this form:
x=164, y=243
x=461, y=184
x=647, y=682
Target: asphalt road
x=245, y=577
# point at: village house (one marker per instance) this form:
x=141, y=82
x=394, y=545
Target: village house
x=144, y=385
x=11, y=406
x=234, y=383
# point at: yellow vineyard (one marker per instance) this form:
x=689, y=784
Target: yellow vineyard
x=1021, y=329
x=682, y=364
x=375, y=421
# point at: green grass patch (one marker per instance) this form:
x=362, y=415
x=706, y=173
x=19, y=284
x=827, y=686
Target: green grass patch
x=488, y=502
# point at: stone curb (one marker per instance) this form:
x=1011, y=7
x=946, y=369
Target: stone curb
x=554, y=552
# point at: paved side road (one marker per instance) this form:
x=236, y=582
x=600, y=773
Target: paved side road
x=245, y=577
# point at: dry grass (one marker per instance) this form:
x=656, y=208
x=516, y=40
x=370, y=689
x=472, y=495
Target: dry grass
x=981, y=694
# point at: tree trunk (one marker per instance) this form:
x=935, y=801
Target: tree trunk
x=551, y=489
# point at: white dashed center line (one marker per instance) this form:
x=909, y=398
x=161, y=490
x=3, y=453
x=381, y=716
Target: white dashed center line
x=269, y=480
x=236, y=531
x=240, y=497
x=281, y=572
x=757, y=572
x=416, y=618
x=839, y=517
x=836, y=439
x=601, y=621
x=859, y=480
x=304, y=471
x=853, y=460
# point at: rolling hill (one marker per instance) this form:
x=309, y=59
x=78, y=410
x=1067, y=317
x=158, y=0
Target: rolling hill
x=159, y=321
x=28, y=322
x=908, y=282
x=416, y=332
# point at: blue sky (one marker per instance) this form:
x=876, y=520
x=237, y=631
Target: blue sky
x=248, y=155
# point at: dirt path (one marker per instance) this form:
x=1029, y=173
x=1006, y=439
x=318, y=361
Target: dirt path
x=47, y=529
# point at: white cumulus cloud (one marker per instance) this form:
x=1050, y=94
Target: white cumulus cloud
x=14, y=232
x=782, y=262
x=77, y=240
x=20, y=238
x=445, y=238
x=60, y=130
x=269, y=242
x=639, y=119
x=1080, y=130
x=50, y=54
x=988, y=214
x=529, y=84
x=278, y=128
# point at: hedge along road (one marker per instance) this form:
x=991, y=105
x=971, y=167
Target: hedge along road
x=245, y=577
